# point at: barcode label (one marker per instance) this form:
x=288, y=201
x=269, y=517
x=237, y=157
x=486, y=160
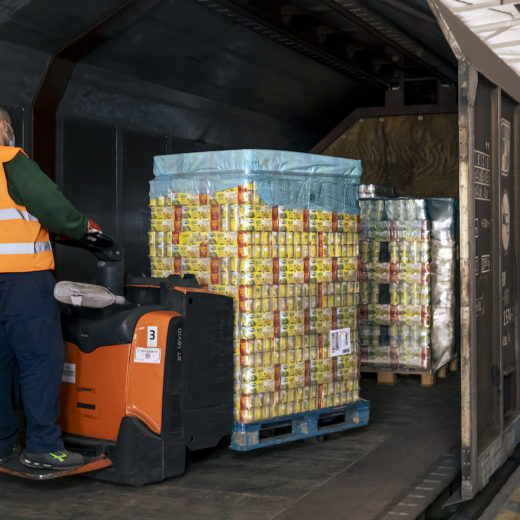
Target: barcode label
x=340, y=342
x=69, y=373
x=147, y=355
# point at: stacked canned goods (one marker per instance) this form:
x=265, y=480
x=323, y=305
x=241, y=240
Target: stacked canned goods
x=395, y=295
x=293, y=274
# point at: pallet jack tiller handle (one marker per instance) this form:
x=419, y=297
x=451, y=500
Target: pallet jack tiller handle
x=110, y=273
x=102, y=246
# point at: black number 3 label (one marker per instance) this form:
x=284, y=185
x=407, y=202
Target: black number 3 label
x=151, y=336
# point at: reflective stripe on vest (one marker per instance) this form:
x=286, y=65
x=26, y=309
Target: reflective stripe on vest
x=24, y=243
x=14, y=214
x=25, y=248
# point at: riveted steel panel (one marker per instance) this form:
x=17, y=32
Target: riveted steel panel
x=484, y=181
x=508, y=202
x=488, y=127
x=489, y=149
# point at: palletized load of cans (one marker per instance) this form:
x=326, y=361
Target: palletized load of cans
x=395, y=296
x=395, y=345
x=294, y=277
x=407, y=276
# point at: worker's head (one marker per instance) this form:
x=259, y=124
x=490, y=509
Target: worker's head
x=6, y=130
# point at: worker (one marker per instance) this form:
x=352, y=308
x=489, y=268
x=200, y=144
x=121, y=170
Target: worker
x=31, y=343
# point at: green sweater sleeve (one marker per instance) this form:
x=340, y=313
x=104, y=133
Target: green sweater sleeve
x=28, y=186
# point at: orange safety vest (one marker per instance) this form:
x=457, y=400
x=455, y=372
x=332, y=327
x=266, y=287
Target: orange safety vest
x=24, y=243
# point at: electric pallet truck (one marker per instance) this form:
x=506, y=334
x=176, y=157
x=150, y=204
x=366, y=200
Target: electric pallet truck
x=148, y=372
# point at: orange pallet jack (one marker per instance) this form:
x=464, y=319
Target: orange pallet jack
x=148, y=373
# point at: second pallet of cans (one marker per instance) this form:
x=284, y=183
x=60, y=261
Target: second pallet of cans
x=395, y=309
x=293, y=275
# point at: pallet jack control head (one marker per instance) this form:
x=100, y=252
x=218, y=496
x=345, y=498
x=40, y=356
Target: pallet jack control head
x=102, y=246
x=110, y=266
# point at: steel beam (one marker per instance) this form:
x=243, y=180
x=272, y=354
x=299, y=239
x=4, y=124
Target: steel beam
x=467, y=92
x=248, y=16
x=385, y=31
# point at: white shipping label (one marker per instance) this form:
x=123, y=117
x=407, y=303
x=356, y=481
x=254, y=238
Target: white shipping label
x=69, y=373
x=151, y=336
x=147, y=355
x=340, y=342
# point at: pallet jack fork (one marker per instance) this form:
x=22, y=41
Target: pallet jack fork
x=16, y=468
x=148, y=372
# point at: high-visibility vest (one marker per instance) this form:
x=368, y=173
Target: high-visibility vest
x=24, y=243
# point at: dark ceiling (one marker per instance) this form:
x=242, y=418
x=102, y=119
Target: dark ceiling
x=304, y=62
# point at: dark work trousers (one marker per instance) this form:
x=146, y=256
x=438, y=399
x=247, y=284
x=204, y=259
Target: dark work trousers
x=31, y=348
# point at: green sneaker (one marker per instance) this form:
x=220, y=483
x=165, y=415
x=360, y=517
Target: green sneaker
x=62, y=459
x=7, y=456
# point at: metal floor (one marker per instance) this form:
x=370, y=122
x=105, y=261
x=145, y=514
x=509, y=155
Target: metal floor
x=360, y=474
x=506, y=504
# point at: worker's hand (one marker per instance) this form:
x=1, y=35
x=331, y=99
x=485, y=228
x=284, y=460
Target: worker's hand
x=93, y=227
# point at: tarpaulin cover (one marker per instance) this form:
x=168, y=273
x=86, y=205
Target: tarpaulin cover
x=292, y=179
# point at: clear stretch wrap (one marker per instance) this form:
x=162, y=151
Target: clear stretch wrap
x=279, y=232
x=407, y=283
x=373, y=191
x=442, y=214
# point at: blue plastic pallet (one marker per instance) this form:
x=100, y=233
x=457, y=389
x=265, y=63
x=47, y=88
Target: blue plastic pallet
x=303, y=425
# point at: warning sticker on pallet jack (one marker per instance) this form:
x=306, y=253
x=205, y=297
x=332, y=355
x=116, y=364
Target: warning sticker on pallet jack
x=69, y=373
x=340, y=342
x=147, y=355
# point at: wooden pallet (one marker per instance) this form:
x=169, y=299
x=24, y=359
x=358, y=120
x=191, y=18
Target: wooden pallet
x=251, y=436
x=428, y=377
